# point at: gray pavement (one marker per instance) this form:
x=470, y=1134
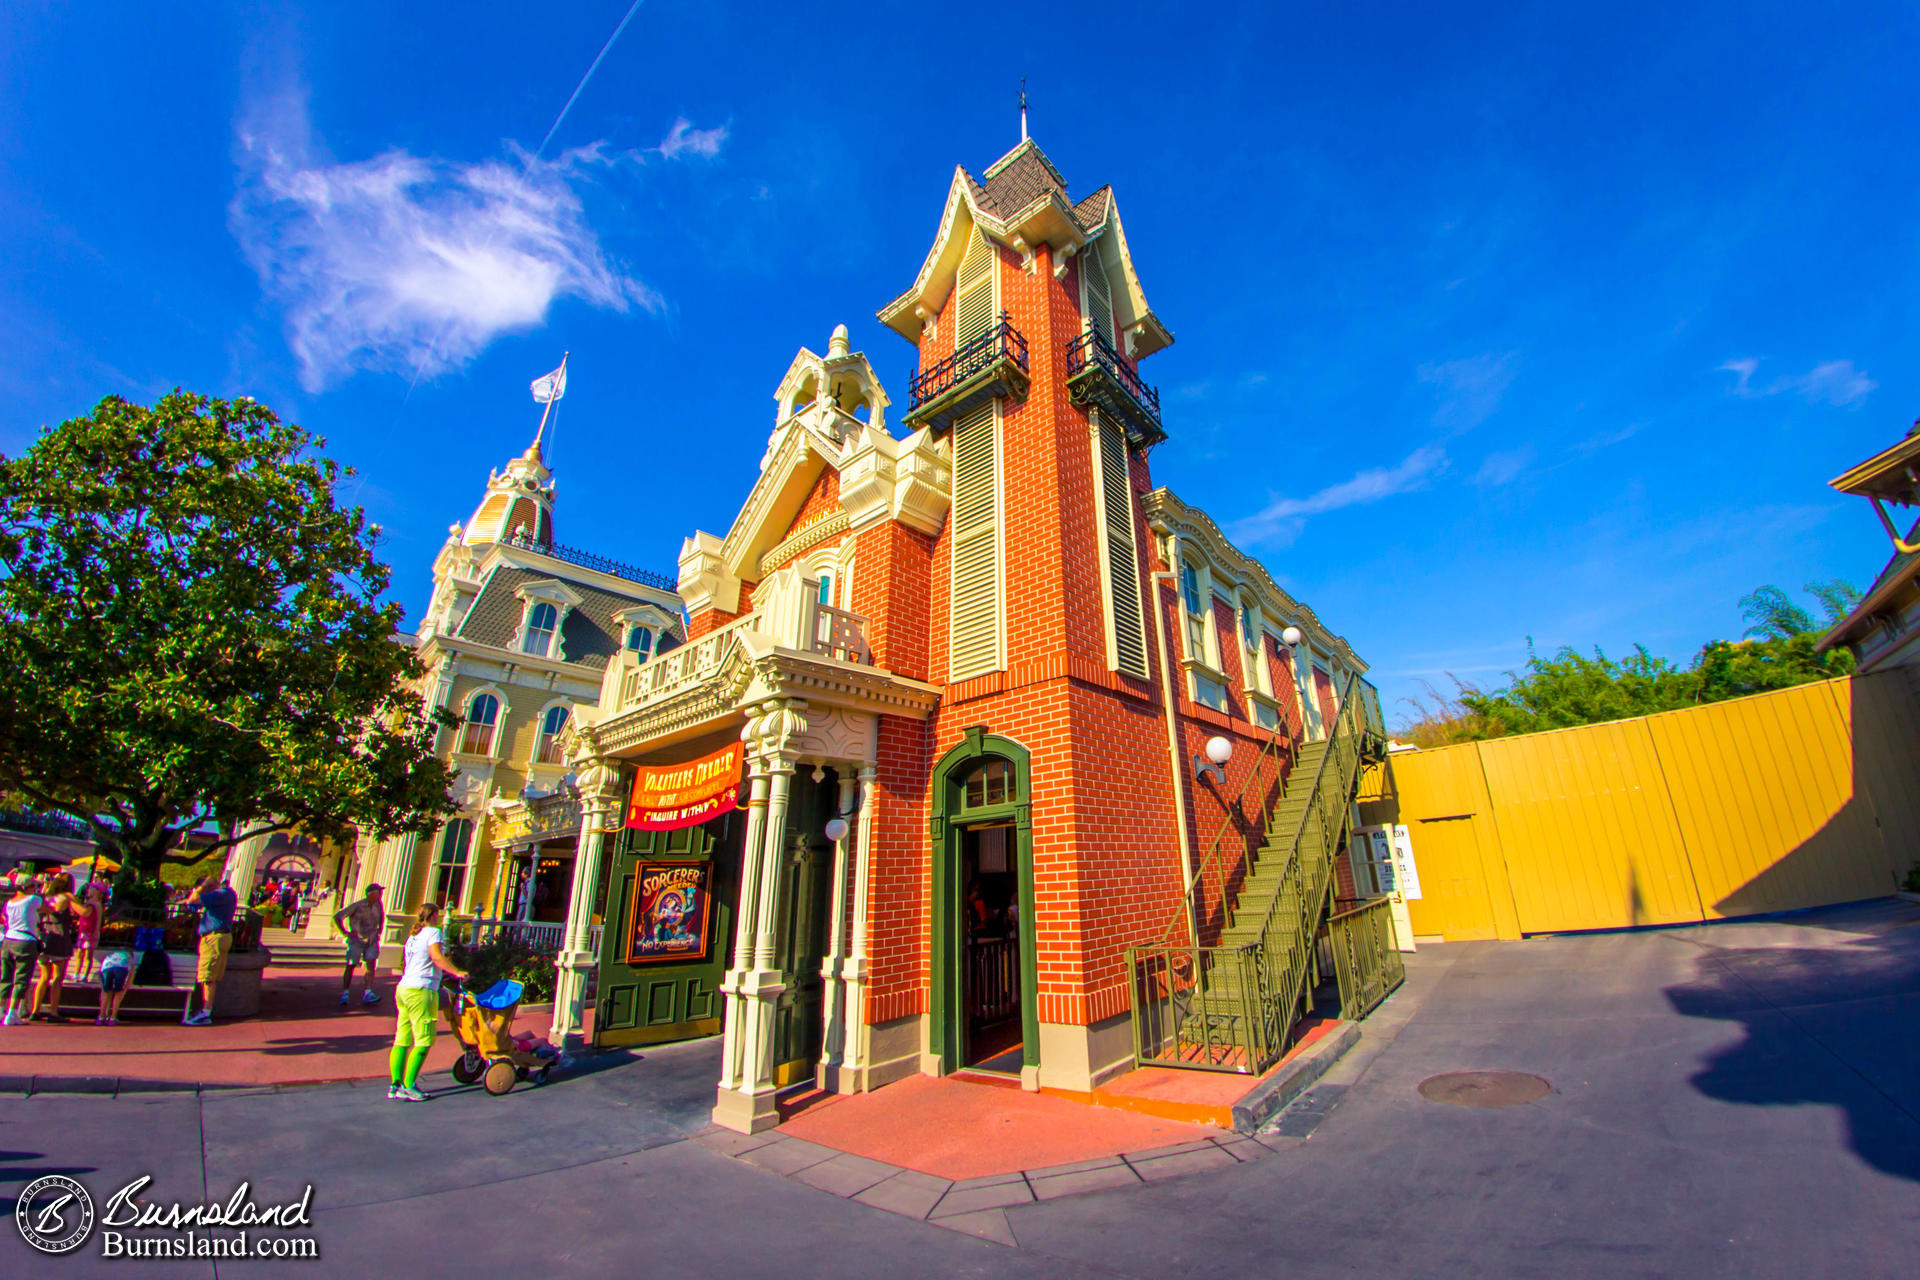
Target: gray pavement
x=1729, y=1100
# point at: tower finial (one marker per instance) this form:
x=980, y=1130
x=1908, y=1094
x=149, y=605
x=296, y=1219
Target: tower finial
x=1023, y=108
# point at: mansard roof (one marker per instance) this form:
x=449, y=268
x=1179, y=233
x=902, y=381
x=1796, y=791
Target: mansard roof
x=590, y=636
x=1023, y=202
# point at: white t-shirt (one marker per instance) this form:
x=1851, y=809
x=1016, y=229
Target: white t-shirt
x=23, y=919
x=418, y=969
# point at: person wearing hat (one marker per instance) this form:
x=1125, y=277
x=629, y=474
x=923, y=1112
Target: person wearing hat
x=362, y=922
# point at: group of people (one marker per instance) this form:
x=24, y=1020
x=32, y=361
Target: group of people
x=49, y=930
x=51, y=933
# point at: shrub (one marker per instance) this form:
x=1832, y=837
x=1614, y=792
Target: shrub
x=503, y=956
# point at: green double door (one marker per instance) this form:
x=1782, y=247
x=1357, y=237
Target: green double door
x=648, y=998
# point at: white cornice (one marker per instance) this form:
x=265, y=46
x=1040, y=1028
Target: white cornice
x=1167, y=514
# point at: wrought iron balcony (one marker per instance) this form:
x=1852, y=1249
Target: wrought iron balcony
x=993, y=364
x=588, y=560
x=1098, y=378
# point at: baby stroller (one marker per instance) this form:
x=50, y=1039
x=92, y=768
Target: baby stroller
x=483, y=1024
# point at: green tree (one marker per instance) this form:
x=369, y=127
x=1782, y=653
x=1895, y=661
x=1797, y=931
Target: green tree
x=191, y=627
x=1571, y=688
x=1724, y=669
x=1771, y=615
x=1837, y=598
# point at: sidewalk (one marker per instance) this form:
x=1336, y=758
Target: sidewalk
x=301, y=1036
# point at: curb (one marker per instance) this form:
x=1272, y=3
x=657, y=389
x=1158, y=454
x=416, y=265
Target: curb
x=1270, y=1096
x=114, y=1086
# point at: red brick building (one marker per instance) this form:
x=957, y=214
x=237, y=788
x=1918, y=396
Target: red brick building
x=975, y=661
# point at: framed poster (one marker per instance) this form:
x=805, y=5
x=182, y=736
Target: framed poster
x=672, y=913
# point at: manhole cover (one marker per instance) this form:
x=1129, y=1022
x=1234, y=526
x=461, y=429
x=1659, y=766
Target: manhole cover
x=1484, y=1088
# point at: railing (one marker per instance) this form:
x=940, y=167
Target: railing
x=1001, y=342
x=544, y=936
x=588, y=560
x=679, y=669
x=45, y=824
x=1090, y=350
x=840, y=634
x=1213, y=875
x=1233, y=1008
x=1366, y=957
x=993, y=979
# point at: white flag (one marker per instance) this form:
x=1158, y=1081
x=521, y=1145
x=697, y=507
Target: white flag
x=552, y=387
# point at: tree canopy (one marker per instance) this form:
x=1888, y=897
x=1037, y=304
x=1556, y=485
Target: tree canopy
x=192, y=630
x=1568, y=688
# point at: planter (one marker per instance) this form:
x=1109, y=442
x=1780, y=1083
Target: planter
x=238, y=995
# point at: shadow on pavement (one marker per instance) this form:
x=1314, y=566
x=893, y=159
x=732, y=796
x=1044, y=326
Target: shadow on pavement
x=1836, y=1024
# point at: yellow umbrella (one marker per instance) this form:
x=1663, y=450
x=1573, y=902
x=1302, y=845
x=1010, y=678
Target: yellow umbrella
x=98, y=861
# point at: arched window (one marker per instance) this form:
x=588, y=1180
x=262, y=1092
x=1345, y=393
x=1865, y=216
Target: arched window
x=991, y=782
x=547, y=750
x=542, y=621
x=482, y=713
x=640, y=641
x=450, y=867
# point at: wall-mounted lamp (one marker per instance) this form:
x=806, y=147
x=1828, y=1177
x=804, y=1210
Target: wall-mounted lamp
x=1293, y=636
x=837, y=829
x=1219, y=751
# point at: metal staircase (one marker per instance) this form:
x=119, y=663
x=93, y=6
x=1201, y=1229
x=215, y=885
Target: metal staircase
x=1226, y=985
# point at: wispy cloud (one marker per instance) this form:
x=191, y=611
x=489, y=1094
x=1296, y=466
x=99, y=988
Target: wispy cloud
x=1470, y=390
x=1504, y=467
x=1280, y=521
x=413, y=264
x=1605, y=440
x=1836, y=382
x=684, y=139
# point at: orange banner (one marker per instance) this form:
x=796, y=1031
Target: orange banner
x=667, y=797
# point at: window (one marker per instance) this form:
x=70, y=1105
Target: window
x=1126, y=623
x=1265, y=716
x=547, y=749
x=482, y=713
x=975, y=645
x=450, y=867
x=542, y=621
x=826, y=588
x=1190, y=588
x=973, y=305
x=1194, y=593
x=1098, y=305
x=1249, y=629
x=1210, y=693
x=991, y=782
x=640, y=641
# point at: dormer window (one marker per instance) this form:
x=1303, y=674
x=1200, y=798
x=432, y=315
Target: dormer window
x=476, y=739
x=640, y=641
x=542, y=621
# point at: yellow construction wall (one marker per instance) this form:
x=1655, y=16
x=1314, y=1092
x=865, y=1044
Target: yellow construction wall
x=1784, y=800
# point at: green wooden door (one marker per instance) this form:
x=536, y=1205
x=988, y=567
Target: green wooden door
x=650, y=1001
x=805, y=920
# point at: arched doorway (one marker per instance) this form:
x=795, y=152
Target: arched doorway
x=984, y=1008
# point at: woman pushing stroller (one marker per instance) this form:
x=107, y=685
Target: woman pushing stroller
x=417, y=1004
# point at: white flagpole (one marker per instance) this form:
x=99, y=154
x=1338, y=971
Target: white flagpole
x=559, y=377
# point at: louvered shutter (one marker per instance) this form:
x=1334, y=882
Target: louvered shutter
x=974, y=307
x=975, y=641
x=1099, y=307
x=1129, y=652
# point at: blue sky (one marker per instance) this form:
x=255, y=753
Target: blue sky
x=1545, y=321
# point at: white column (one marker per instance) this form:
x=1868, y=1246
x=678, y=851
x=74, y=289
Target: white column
x=599, y=799
x=733, y=1049
x=747, y=1103
x=833, y=1002
x=854, y=1056
x=243, y=862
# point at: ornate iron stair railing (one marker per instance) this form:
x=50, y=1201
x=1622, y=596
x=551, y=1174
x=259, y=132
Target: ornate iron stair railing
x=1228, y=999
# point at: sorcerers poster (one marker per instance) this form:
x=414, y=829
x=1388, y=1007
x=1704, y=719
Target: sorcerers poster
x=672, y=907
x=667, y=797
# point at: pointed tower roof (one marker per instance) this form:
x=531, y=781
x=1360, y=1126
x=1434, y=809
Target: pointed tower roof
x=518, y=502
x=1022, y=203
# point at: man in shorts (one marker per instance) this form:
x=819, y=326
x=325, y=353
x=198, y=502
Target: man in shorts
x=218, y=904
x=362, y=922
